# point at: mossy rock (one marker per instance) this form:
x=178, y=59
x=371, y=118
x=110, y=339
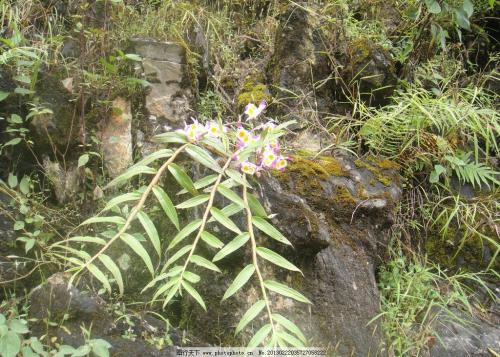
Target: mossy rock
x=253, y=92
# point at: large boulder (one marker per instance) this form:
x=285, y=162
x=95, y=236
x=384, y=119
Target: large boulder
x=336, y=213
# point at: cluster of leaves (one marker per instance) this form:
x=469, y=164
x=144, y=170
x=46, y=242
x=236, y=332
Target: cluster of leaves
x=174, y=279
x=12, y=342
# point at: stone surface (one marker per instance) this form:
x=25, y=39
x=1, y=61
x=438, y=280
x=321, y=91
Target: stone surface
x=336, y=212
x=170, y=97
x=65, y=183
x=117, y=138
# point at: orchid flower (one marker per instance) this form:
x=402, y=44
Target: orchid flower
x=252, y=111
x=281, y=163
x=214, y=129
x=248, y=168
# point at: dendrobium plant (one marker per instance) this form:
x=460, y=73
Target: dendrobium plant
x=231, y=153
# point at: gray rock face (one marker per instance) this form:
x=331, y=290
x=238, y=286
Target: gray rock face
x=170, y=97
x=336, y=215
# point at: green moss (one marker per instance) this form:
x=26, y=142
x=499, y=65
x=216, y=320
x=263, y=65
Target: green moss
x=343, y=195
x=253, y=92
x=377, y=168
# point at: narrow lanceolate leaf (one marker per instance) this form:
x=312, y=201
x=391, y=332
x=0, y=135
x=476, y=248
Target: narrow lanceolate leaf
x=191, y=277
x=211, y=240
x=137, y=247
x=275, y=258
x=284, y=290
x=216, y=144
x=201, y=183
x=100, y=276
x=113, y=269
x=229, y=210
x=230, y=195
x=193, y=202
x=131, y=196
x=260, y=336
x=167, y=205
x=170, y=137
x=154, y=281
x=290, y=326
x=268, y=229
x=186, y=231
x=112, y=219
x=182, y=178
x=194, y=294
x=160, y=154
x=230, y=247
x=290, y=340
x=203, y=157
x=165, y=287
x=224, y=220
x=131, y=172
x=237, y=177
x=151, y=231
x=256, y=207
x=176, y=256
x=241, y=279
x=251, y=314
x=202, y=262
x=82, y=239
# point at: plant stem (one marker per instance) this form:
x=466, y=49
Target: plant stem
x=254, y=256
x=136, y=208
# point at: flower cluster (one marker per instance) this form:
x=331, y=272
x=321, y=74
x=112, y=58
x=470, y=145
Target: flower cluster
x=265, y=157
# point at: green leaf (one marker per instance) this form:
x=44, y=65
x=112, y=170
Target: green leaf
x=241, y=279
x=10, y=344
x=111, y=219
x=193, y=202
x=24, y=185
x=260, y=336
x=236, y=243
x=285, y=291
x=237, y=177
x=231, y=195
x=83, y=159
x=12, y=142
x=194, y=294
x=12, y=180
x=165, y=287
x=438, y=170
x=191, y=277
x=167, y=205
x=151, y=231
x=160, y=154
x=250, y=314
x=275, y=258
x=224, y=220
x=211, y=240
x=201, y=183
x=23, y=91
x=82, y=351
x=18, y=327
x=256, y=207
x=126, y=197
x=83, y=239
x=100, y=347
x=16, y=119
x=3, y=95
x=137, y=247
x=18, y=225
x=170, y=137
x=100, y=276
x=186, y=231
x=113, y=269
x=462, y=19
x=182, y=178
x=433, y=6
x=28, y=352
x=131, y=172
x=133, y=57
x=290, y=340
x=229, y=210
x=268, y=229
x=202, y=262
x=468, y=7
x=176, y=256
x=290, y=326
x=203, y=157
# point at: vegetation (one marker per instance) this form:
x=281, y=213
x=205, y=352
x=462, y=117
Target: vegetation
x=190, y=206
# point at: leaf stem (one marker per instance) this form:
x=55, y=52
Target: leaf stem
x=136, y=208
x=254, y=256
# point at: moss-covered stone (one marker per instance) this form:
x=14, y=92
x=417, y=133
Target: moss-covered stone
x=378, y=167
x=253, y=92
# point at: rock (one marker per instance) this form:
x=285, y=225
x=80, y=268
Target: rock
x=55, y=300
x=336, y=212
x=170, y=97
x=65, y=183
x=476, y=338
x=117, y=138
